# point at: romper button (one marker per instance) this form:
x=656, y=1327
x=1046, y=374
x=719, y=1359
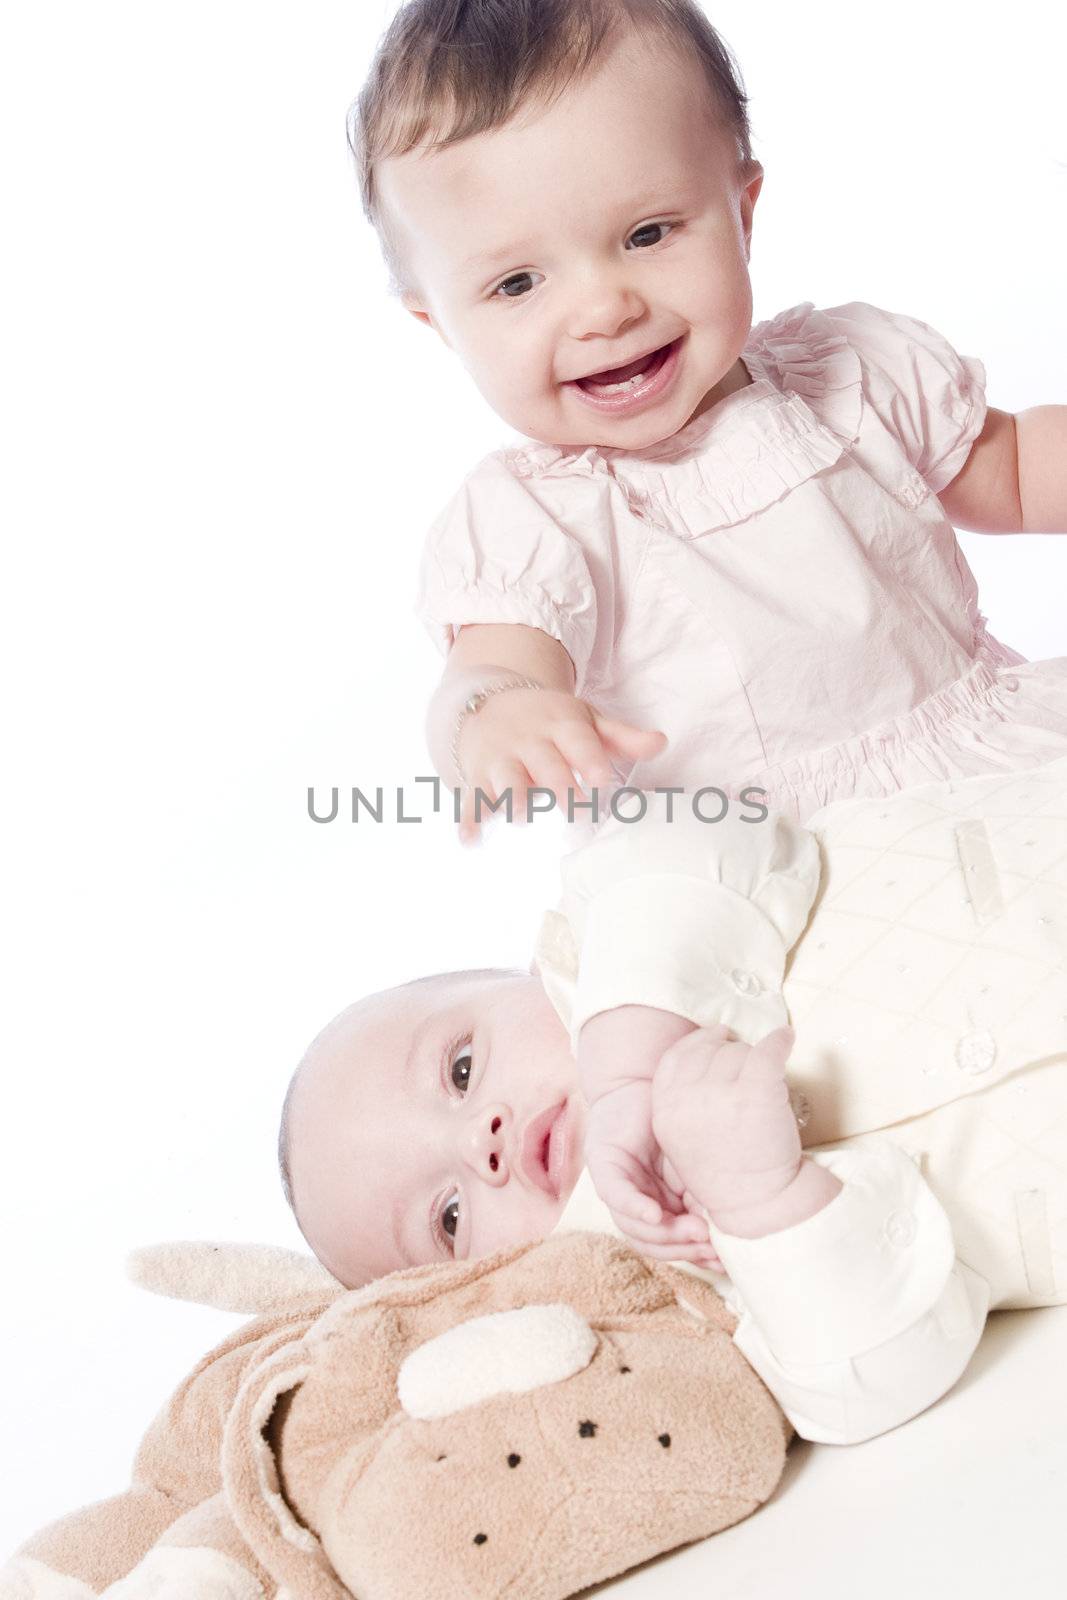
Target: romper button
x=1011, y=684
x=745, y=982
x=900, y=1227
x=976, y=1052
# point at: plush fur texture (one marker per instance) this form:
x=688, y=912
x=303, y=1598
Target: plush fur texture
x=286, y=1464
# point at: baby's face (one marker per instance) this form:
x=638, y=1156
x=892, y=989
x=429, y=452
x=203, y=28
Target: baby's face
x=612, y=227
x=435, y=1121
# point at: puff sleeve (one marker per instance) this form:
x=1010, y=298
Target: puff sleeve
x=931, y=399
x=497, y=555
x=690, y=916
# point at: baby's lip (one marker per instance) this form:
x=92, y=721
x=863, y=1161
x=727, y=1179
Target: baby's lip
x=616, y=366
x=534, y=1148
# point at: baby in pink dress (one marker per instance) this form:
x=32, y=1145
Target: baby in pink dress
x=736, y=537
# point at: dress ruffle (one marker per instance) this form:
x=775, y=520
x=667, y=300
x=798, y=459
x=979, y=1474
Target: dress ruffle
x=800, y=412
x=1005, y=713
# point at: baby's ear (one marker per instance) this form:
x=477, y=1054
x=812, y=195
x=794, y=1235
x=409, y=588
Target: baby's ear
x=752, y=183
x=411, y=301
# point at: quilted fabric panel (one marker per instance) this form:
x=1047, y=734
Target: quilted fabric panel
x=997, y=1161
x=935, y=960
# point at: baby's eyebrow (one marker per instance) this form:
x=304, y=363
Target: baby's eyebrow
x=486, y=260
x=403, y=1209
x=415, y=1048
x=396, y=1222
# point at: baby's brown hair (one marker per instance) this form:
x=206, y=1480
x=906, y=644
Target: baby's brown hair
x=448, y=69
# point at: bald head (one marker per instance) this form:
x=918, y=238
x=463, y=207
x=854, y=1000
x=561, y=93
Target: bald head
x=388, y=1115
x=318, y=1046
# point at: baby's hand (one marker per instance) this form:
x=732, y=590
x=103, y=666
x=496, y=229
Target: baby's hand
x=542, y=738
x=618, y=1052
x=722, y=1116
x=626, y=1167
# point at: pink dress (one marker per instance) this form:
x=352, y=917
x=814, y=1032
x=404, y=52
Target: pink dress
x=776, y=586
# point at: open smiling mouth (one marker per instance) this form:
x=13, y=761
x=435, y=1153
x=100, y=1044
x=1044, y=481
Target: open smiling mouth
x=622, y=388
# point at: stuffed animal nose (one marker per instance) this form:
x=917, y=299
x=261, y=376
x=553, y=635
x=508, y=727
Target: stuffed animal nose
x=487, y=1137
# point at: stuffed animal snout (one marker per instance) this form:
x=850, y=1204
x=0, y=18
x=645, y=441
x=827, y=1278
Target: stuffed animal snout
x=530, y=1451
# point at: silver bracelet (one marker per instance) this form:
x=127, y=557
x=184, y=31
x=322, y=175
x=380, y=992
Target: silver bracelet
x=473, y=704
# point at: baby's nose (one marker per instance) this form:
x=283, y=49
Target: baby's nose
x=606, y=308
x=486, y=1143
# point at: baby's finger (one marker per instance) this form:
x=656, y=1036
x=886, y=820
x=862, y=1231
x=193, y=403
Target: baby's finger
x=697, y=1255
x=510, y=777
x=703, y=1256
x=637, y=1192
x=768, y=1058
x=583, y=751
x=671, y=1178
x=469, y=827
x=684, y=1229
x=626, y=740
x=488, y=787
x=620, y=1193
x=551, y=771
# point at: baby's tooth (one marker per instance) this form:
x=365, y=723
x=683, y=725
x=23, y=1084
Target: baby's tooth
x=616, y=388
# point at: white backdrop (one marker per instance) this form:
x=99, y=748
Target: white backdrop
x=223, y=444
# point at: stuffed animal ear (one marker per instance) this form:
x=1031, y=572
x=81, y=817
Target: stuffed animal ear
x=251, y=1278
x=255, y=1488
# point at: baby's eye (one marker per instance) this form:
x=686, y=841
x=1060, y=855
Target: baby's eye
x=450, y=1217
x=649, y=233
x=460, y=1070
x=516, y=286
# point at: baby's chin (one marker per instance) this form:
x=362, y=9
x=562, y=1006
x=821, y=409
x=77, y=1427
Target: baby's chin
x=642, y=434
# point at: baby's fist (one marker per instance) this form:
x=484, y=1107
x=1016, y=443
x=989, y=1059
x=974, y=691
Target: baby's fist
x=721, y=1115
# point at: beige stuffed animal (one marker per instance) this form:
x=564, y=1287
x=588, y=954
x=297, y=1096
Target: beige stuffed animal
x=524, y=1425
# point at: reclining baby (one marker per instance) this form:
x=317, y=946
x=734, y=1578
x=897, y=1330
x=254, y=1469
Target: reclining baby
x=824, y=1065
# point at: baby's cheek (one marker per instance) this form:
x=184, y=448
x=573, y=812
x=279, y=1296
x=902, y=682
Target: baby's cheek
x=500, y=1221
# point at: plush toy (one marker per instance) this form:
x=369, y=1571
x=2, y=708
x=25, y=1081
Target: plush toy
x=524, y=1425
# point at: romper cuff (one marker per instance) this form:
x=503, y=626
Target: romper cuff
x=857, y=1273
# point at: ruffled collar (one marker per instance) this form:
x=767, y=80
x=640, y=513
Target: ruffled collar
x=799, y=413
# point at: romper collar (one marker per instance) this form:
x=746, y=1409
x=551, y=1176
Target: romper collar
x=798, y=415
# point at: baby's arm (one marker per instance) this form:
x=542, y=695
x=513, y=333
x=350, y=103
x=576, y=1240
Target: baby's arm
x=527, y=736
x=1015, y=478
x=853, y=1309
